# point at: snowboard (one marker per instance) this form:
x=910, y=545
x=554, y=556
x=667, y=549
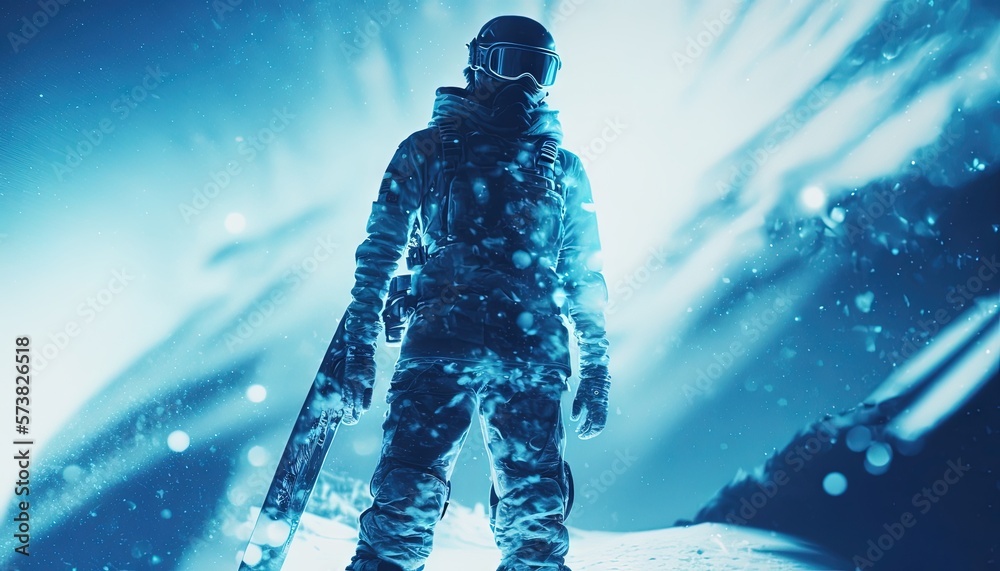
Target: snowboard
x=298, y=468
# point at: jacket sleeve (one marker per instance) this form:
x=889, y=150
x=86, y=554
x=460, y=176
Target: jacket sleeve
x=392, y=216
x=580, y=266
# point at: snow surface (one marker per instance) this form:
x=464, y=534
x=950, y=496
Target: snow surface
x=464, y=543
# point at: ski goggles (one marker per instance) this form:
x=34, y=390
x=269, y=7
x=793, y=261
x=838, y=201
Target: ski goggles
x=513, y=61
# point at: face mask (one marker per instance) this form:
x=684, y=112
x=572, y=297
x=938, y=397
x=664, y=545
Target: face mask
x=523, y=91
x=514, y=100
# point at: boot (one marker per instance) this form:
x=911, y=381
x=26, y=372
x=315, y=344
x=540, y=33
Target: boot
x=359, y=563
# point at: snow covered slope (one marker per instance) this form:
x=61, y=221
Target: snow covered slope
x=325, y=544
x=907, y=479
x=327, y=535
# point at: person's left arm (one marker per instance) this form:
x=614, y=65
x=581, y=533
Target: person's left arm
x=580, y=270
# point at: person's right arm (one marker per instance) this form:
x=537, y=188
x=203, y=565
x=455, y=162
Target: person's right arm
x=392, y=216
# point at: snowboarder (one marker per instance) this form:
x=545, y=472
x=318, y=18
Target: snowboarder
x=508, y=252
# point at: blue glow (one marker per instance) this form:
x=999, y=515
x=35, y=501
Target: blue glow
x=183, y=186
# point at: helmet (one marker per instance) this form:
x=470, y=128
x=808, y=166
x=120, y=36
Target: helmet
x=511, y=47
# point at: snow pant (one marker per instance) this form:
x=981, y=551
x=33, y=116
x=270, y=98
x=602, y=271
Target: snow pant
x=431, y=408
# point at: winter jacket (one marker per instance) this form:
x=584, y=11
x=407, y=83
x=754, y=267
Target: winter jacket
x=510, y=255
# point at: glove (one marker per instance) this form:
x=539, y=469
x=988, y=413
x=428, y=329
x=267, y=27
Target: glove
x=355, y=389
x=591, y=401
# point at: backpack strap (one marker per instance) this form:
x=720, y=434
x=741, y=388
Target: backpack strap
x=451, y=145
x=547, y=153
x=545, y=163
x=451, y=154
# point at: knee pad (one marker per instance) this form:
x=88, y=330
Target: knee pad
x=421, y=489
x=447, y=501
x=568, y=489
x=565, y=485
